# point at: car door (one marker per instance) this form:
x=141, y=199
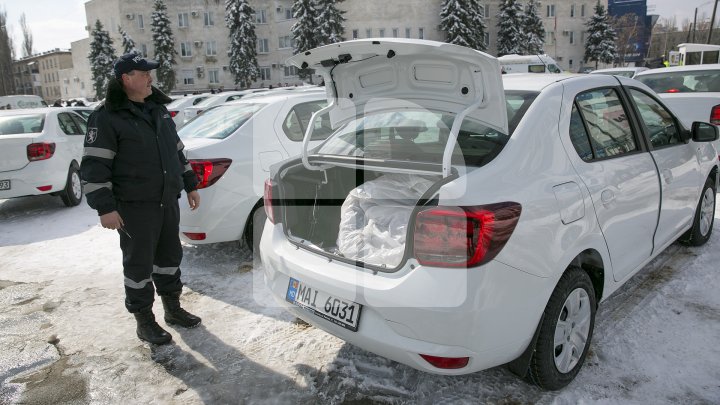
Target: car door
x=676, y=162
x=618, y=171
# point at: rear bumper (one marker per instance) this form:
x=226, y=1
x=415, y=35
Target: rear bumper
x=36, y=174
x=488, y=314
x=221, y=216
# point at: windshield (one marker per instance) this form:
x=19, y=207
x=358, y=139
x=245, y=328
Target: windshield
x=219, y=122
x=22, y=124
x=688, y=81
x=421, y=135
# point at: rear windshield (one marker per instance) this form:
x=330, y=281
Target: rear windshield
x=22, y=124
x=695, y=81
x=219, y=122
x=421, y=135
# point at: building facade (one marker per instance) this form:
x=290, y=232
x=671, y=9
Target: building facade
x=40, y=74
x=201, y=37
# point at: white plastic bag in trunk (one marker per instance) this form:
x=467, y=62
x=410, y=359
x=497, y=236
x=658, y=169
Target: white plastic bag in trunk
x=375, y=216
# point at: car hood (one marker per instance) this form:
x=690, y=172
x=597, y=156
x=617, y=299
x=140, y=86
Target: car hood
x=378, y=74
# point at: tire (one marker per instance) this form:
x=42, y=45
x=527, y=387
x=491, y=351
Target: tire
x=72, y=194
x=566, y=331
x=254, y=229
x=704, y=217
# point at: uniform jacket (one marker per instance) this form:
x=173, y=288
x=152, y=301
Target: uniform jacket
x=129, y=156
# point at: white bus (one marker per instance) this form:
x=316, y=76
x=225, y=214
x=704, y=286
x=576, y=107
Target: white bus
x=21, y=101
x=694, y=54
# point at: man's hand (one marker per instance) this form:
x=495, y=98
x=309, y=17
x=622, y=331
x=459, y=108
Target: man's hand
x=193, y=199
x=111, y=220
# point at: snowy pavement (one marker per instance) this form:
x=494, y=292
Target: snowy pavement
x=65, y=336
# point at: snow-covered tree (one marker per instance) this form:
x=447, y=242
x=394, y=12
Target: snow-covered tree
x=455, y=20
x=534, y=30
x=600, y=43
x=239, y=18
x=330, y=22
x=127, y=42
x=164, y=44
x=510, y=32
x=304, y=31
x=102, y=56
x=477, y=24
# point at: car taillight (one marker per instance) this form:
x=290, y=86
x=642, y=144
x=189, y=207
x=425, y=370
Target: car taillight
x=209, y=171
x=463, y=236
x=715, y=115
x=173, y=113
x=267, y=200
x=446, y=362
x=40, y=151
x=195, y=235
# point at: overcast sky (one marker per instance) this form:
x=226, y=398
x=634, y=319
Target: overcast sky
x=57, y=23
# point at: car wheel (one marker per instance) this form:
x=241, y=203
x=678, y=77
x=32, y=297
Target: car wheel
x=72, y=194
x=704, y=217
x=254, y=229
x=565, y=332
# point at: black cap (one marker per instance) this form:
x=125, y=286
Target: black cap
x=133, y=61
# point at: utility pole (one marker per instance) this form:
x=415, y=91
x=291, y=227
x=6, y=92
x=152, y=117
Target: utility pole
x=694, y=25
x=712, y=21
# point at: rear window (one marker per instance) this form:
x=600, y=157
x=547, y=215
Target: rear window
x=219, y=122
x=22, y=124
x=421, y=135
x=696, y=81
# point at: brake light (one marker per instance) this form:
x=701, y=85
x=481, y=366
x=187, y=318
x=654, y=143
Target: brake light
x=267, y=200
x=209, y=171
x=672, y=91
x=195, y=235
x=173, y=113
x=446, y=362
x=715, y=115
x=463, y=236
x=40, y=151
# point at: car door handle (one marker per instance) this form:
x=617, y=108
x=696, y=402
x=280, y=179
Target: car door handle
x=607, y=196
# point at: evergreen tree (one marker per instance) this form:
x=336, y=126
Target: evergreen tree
x=330, y=21
x=304, y=31
x=510, y=35
x=127, y=42
x=164, y=44
x=477, y=22
x=600, y=43
x=534, y=30
x=239, y=18
x=7, y=54
x=456, y=20
x=102, y=56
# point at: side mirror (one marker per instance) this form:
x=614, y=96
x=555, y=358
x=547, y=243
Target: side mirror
x=704, y=132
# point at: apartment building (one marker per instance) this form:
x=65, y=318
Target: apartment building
x=40, y=74
x=201, y=37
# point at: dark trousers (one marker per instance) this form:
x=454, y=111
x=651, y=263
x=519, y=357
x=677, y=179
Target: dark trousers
x=151, y=251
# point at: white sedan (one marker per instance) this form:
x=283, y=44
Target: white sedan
x=40, y=153
x=458, y=220
x=231, y=148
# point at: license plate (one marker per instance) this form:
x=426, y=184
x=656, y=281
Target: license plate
x=4, y=184
x=336, y=310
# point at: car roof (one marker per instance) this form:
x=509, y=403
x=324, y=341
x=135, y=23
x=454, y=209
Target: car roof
x=620, y=69
x=276, y=97
x=686, y=68
x=534, y=81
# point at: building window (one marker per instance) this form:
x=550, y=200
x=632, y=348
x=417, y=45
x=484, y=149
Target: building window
x=143, y=49
x=381, y=33
x=582, y=10
x=572, y=10
x=570, y=63
x=582, y=37
x=407, y=32
x=262, y=45
x=551, y=10
x=368, y=33
x=421, y=33
x=487, y=11
x=356, y=34
x=396, y=32
x=140, y=22
x=265, y=73
x=260, y=17
x=185, y=49
x=209, y=20
x=211, y=48
x=285, y=42
x=288, y=14
x=183, y=21
x=188, y=77
x=291, y=71
x=213, y=76
x=486, y=39
x=572, y=37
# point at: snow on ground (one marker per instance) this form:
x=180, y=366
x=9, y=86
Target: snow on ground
x=66, y=337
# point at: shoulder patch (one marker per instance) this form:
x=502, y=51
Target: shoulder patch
x=91, y=135
x=166, y=116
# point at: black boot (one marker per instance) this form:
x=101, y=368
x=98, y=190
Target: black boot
x=174, y=315
x=148, y=330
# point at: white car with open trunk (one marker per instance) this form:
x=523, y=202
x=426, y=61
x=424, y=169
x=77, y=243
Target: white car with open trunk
x=458, y=220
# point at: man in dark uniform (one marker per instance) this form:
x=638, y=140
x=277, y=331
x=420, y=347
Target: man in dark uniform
x=134, y=170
